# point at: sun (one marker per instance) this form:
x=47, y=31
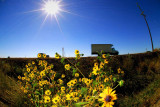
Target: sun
x=52, y=7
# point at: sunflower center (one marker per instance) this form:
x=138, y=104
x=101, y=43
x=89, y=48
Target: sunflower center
x=108, y=98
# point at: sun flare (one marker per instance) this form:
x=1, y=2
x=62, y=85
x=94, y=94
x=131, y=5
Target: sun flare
x=52, y=7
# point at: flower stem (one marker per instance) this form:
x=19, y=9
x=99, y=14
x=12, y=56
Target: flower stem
x=116, y=87
x=77, y=68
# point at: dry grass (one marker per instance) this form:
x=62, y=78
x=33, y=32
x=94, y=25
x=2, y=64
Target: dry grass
x=145, y=98
x=138, y=73
x=10, y=93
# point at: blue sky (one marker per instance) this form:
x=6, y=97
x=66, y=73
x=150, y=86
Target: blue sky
x=116, y=22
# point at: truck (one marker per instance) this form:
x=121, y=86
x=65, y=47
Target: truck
x=107, y=48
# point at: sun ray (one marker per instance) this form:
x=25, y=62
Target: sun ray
x=33, y=11
x=70, y=13
x=58, y=23
x=44, y=20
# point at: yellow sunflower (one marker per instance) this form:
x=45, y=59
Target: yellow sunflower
x=25, y=91
x=23, y=78
x=45, y=82
x=96, y=64
x=76, y=99
x=80, y=79
x=76, y=52
x=95, y=68
x=33, y=62
x=101, y=87
x=103, y=55
x=40, y=83
x=47, y=99
x=54, y=106
x=63, y=100
x=105, y=61
x=44, y=55
x=56, y=100
x=62, y=75
x=35, y=68
x=122, y=72
x=39, y=55
x=93, y=91
x=47, y=92
x=87, y=98
x=101, y=65
x=31, y=75
x=106, y=79
x=74, y=94
x=69, y=84
x=72, y=83
x=60, y=81
x=62, y=88
x=119, y=70
x=108, y=95
x=67, y=67
x=40, y=62
x=110, y=77
x=88, y=81
x=57, y=56
x=19, y=77
x=42, y=73
x=76, y=74
x=29, y=64
x=97, y=105
x=69, y=97
x=94, y=72
x=28, y=69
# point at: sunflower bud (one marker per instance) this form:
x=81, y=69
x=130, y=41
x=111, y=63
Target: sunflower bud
x=121, y=82
x=114, y=79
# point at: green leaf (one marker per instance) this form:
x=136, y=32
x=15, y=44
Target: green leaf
x=114, y=79
x=76, y=58
x=84, y=90
x=78, y=63
x=36, y=92
x=34, y=85
x=99, y=53
x=95, y=83
x=101, y=74
x=62, y=60
x=74, y=71
x=102, y=51
x=59, y=93
x=98, y=57
x=80, y=104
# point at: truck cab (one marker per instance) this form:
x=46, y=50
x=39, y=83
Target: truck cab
x=114, y=52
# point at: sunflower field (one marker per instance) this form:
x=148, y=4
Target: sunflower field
x=46, y=88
